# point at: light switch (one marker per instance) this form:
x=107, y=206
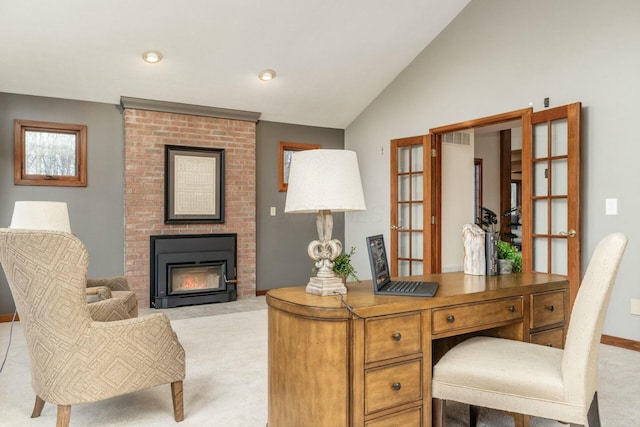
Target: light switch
x=611, y=206
x=273, y=211
x=635, y=306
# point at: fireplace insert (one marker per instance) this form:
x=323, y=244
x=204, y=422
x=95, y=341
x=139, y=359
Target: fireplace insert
x=192, y=269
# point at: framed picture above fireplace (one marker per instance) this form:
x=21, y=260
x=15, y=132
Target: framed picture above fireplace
x=194, y=184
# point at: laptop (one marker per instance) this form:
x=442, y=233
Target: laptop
x=382, y=283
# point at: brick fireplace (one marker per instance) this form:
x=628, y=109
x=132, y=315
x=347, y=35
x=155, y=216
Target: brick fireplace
x=146, y=133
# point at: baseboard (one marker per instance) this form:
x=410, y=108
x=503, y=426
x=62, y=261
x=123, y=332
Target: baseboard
x=261, y=293
x=621, y=342
x=8, y=317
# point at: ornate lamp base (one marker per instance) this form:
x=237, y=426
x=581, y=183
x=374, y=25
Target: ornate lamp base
x=325, y=286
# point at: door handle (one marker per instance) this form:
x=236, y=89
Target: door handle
x=570, y=233
x=396, y=227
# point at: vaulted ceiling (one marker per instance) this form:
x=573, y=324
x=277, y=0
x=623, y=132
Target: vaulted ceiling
x=331, y=58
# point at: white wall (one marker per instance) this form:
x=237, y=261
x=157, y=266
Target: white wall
x=457, y=201
x=497, y=56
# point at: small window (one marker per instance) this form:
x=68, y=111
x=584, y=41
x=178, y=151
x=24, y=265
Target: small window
x=49, y=154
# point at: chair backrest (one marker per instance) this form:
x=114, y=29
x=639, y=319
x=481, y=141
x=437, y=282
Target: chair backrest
x=580, y=359
x=46, y=272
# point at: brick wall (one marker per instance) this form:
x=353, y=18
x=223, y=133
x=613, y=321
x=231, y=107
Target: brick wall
x=146, y=134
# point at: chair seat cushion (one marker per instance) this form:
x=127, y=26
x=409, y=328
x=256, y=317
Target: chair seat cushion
x=502, y=366
x=98, y=293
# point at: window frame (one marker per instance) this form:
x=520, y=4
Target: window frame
x=285, y=147
x=20, y=177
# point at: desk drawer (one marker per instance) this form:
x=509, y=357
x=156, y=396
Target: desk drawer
x=410, y=418
x=476, y=316
x=393, y=385
x=547, y=309
x=392, y=336
x=551, y=338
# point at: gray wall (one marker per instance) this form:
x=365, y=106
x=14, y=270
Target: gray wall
x=282, y=240
x=95, y=211
x=499, y=55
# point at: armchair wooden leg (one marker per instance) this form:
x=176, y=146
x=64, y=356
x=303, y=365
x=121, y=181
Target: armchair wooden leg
x=64, y=415
x=178, y=403
x=439, y=407
x=521, y=420
x=37, y=407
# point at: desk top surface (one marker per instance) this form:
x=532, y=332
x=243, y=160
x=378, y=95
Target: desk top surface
x=455, y=288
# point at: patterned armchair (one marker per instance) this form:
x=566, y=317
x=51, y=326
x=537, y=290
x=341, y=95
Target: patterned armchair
x=73, y=358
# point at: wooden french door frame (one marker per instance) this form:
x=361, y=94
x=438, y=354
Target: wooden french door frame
x=436, y=179
x=427, y=201
x=571, y=113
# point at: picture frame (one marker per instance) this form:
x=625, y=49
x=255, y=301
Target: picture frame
x=194, y=184
x=284, y=160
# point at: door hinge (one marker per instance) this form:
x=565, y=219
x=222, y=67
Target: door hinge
x=433, y=219
x=433, y=152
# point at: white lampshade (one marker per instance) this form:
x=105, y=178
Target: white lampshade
x=324, y=180
x=41, y=216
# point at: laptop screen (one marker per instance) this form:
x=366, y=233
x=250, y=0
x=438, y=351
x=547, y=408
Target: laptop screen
x=378, y=260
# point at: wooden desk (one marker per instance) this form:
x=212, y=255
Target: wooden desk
x=371, y=365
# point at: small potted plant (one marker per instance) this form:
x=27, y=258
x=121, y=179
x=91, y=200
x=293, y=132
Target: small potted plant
x=343, y=268
x=509, y=258
x=488, y=220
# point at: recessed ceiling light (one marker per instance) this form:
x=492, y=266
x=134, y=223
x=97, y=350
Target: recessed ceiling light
x=152, y=56
x=267, y=75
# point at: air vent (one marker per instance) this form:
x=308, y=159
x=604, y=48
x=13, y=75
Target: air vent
x=457, y=138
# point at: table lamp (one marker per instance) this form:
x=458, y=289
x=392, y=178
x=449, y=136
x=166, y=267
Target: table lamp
x=41, y=216
x=323, y=181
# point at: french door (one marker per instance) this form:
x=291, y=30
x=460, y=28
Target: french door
x=551, y=228
x=411, y=206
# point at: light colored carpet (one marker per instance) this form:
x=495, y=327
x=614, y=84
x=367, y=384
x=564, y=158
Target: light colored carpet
x=226, y=383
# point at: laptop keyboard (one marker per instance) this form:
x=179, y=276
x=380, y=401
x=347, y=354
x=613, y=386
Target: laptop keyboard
x=403, y=286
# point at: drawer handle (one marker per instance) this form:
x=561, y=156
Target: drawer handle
x=397, y=336
x=451, y=318
x=512, y=308
x=551, y=308
x=396, y=386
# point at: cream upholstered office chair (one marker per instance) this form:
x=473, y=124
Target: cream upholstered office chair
x=533, y=379
x=73, y=358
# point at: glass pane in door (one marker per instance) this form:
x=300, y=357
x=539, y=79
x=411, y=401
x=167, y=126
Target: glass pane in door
x=540, y=140
x=559, y=169
x=404, y=246
x=559, y=137
x=403, y=159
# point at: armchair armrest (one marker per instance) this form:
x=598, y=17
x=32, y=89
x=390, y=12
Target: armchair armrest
x=116, y=283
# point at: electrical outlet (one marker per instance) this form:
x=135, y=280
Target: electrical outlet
x=635, y=306
x=273, y=211
x=546, y=102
